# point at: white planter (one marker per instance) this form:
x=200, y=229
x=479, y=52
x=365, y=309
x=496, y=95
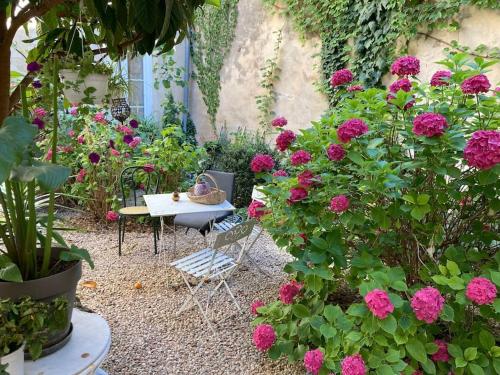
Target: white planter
x=75, y=93
x=15, y=361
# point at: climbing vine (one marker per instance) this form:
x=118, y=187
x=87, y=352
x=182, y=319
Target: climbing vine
x=211, y=41
x=270, y=75
x=365, y=33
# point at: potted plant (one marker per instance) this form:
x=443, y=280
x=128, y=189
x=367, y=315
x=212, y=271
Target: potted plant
x=30, y=263
x=85, y=80
x=26, y=324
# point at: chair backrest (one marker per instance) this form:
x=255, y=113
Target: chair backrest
x=234, y=234
x=137, y=179
x=225, y=181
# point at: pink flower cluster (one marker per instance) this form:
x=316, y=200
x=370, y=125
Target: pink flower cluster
x=442, y=353
x=307, y=179
x=279, y=122
x=441, y=78
x=112, y=216
x=288, y=291
x=100, y=117
x=73, y=111
x=335, y=152
x=350, y=129
x=429, y=124
x=81, y=139
x=297, y=195
x=401, y=84
x=114, y=152
x=125, y=130
x=148, y=168
x=341, y=77
x=475, y=84
x=255, y=305
x=40, y=112
x=481, y=291
x=261, y=163
x=280, y=173
x=80, y=177
x=355, y=88
x=483, y=149
x=285, y=139
x=406, y=66
x=427, y=304
x=339, y=204
x=379, y=303
x=353, y=365
x=313, y=361
x=264, y=337
x=135, y=142
x=256, y=209
x=300, y=157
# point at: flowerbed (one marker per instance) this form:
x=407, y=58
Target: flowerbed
x=394, y=195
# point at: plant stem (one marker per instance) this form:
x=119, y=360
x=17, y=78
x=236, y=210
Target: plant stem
x=47, y=252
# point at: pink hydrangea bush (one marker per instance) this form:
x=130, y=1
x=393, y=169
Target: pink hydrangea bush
x=379, y=303
x=483, y=149
x=441, y=78
x=350, y=129
x=336, y=152
x=442, y=353
x=264, y=337
x=256, y=209
x=284, y=140
x=313, y=361
x=353, y=365
x=427, y=304
x=300, y=157
x=279, y=122
x=255, y=305
x=481, y=291
x=406, y=66
x=341, y=77
x=297, y=194
x=262, y=163
x=339, y=204
x=429, y=124
x=476, y=84
x=289, y=291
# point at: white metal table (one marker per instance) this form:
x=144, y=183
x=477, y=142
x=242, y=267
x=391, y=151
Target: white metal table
x=162, y=205
x=84, y=352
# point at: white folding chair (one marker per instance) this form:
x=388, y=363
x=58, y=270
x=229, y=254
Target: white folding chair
x=213, y=264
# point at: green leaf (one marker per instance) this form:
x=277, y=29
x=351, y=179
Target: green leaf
x=429, y=367
x=146, y=13
x=448, y=314
x=76, y=253
x=9, y=270
x=455, y=350
x=385, y=370
x=453, y=268
x=417, y=350
x=423, y=199
x=357, y=309
x=16, y=135
x=332, y=312
x=409, y=198
x=486, y=339
x=327, y=331
x=460, y=362
x=419, y=212
x=456, y=283
x=389, y=324
x=356, y=157
x=300, y=311
x=470, y=354
x=49, y=176
x=495, y=277
x=475, y=369
x=314, y=282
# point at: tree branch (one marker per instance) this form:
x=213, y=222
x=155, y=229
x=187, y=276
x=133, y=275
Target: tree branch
x=451, y=45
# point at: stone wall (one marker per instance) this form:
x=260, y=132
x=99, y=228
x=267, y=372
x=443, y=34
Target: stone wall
x=297, y=98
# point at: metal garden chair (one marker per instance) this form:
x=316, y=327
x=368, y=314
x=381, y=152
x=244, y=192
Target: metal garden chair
x=133, y=180
x=213, y=264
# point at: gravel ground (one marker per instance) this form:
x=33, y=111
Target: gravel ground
x=147, y=336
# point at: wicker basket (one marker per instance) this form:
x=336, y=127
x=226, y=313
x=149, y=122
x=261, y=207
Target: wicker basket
x=216, y=195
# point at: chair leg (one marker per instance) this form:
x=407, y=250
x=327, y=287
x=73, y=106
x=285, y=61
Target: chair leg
x=120, y=236
x=155, y=236
x=123, y=228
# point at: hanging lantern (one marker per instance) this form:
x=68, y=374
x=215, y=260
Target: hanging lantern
x=120, y=109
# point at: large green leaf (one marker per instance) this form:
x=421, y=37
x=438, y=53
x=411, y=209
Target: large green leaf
x=15, y=136
x=146, y=13
x=76, y=253
x=417, y=350
x=49, y=176
x=9, y=270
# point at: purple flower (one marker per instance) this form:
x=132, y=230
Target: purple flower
x=127, y=138
x=133, y=124
x=111, y=143
x=36, y=84
x=441, y=78
x=475, y=84
x=39, y=122
x=33, y=67
x=406, y=66
x=94, y=157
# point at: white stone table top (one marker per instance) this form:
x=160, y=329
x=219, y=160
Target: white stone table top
x=163, y=205
x=84, y=352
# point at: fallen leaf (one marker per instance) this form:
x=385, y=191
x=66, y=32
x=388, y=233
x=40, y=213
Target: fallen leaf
x=89, y=284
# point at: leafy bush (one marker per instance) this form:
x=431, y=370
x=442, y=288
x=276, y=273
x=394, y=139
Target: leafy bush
x=391, y=211
x=233, y=153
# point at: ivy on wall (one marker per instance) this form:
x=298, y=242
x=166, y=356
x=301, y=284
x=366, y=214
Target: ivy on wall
x=364, y=33
x=211, y=41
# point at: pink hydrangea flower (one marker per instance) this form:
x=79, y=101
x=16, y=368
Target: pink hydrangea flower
x=125, y=130
x=81, y=139
x=350, y=129
x=71, y=133
x=341, y=77
x=307, y=179
x=442, y=353
x=441, y=78
x=67, y=149
x=297, y=195
x=427, y=304
x=285, y=139
x=289, y=291
x=100, y=117
x=353, y=365
x=475, y=84
x=112, y=216
x=313, y=361
x=429, y=124
x=280, y=173
x=148, y=168
x=80, y=177
x=339, y=204
x=481, y=291
x=73, y=111
x=48, y=157
x=264, y=337
x=279, y=122
x=300, y=157
x=114, y=152
x=401, y=84
x=255, y=305
x=379, y=303
x=406, y=66
x=355, y=88
x=135, y=142
x=335, y=152
x=256, y=209
x=40, y=112
x=261, y=163
x=483, y=149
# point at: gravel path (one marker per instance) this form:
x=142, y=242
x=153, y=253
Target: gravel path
x=147, y=337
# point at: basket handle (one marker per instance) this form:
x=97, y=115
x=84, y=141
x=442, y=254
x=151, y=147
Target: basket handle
x=210, y=177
